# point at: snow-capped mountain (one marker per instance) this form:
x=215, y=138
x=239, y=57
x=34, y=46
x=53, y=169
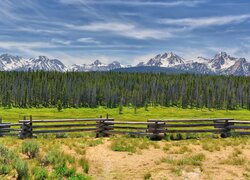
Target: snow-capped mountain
x=9, y=62
x=45, y=64
x=16, y=63
x=96, y=66
x=164, y=60
x=221, y=63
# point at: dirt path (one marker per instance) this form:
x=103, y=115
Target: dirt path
x=121, y=165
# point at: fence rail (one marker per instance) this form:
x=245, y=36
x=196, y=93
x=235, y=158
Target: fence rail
x=154, y=128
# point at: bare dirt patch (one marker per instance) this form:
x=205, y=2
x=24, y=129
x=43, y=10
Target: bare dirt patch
x=108, y=164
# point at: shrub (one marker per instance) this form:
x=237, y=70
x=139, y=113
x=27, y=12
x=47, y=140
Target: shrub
x=178, y=136
x=85, y=164
x=59, y=106
x=167, y=137
x=6, y=155
x=40, y=173
x=21, y=168
x=54, y=157
x=6, y=160
x=64, y=171
x=5, y=169
x=30, y=148
x=61, y=135
x=79, y=177
x=175, y=136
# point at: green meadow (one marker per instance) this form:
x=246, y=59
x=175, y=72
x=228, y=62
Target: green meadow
x=128, y=114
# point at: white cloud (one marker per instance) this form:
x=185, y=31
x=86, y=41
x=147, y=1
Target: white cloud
x=124, y=29
x=206, y=21
x=40, y=30
x=189, y=3
x=102, y=26
x=59, y=41
x=25, y=45
x=88, y=40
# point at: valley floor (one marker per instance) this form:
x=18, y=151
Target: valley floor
x=139, y=158
x=82, y=156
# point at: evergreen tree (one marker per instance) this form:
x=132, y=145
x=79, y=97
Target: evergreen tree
x=59, y=106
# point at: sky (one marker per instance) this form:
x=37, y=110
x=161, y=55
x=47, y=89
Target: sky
x=81, y=31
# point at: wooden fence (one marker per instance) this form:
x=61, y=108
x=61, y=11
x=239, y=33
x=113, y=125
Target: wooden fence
x=153, y=128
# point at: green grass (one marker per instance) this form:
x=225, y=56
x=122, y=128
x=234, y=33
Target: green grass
x=14, y=114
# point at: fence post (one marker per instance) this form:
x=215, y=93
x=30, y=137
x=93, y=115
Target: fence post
x=99, y=128
x=107, y=127
x=103, y=127
x=227, y=130
x=30, y=128
x=156, y=129
x=26, y=131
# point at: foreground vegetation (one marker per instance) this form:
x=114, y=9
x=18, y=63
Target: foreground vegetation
x=81, y=156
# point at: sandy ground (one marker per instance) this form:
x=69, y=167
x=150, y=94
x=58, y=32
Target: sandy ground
x=107, y=164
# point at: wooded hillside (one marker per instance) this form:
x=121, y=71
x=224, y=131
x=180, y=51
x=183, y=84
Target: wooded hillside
x=112, y=89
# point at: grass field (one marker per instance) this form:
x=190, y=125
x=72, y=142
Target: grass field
x=14, y=114
x=82, y=156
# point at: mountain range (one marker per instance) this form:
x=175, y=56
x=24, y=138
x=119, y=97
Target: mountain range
x=221, y=64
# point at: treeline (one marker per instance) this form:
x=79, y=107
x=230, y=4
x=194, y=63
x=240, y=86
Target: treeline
x=112, y=89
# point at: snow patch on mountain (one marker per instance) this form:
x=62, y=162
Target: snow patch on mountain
x=97, y=65
x=164, y=60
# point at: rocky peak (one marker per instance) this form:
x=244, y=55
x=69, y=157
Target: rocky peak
x=97, y=63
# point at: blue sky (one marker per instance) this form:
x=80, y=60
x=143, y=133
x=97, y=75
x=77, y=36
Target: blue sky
x=81, y=31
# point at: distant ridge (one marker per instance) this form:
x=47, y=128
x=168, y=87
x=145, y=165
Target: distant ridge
x=221, y=64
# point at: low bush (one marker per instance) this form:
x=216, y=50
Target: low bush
x=64, y=171
x=30, y=148
x=79, y=177
x=61, y=135
x=55, y=158
x=40, y=173
x=85, y=164
x=21, y=168
x=7, y=158
x=5, y=169
x=178, y=136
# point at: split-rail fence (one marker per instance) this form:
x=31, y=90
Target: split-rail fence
x=103, y=127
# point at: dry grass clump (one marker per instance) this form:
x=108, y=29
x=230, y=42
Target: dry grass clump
x=236, y=158
x=131, y=145
x=194, y=160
